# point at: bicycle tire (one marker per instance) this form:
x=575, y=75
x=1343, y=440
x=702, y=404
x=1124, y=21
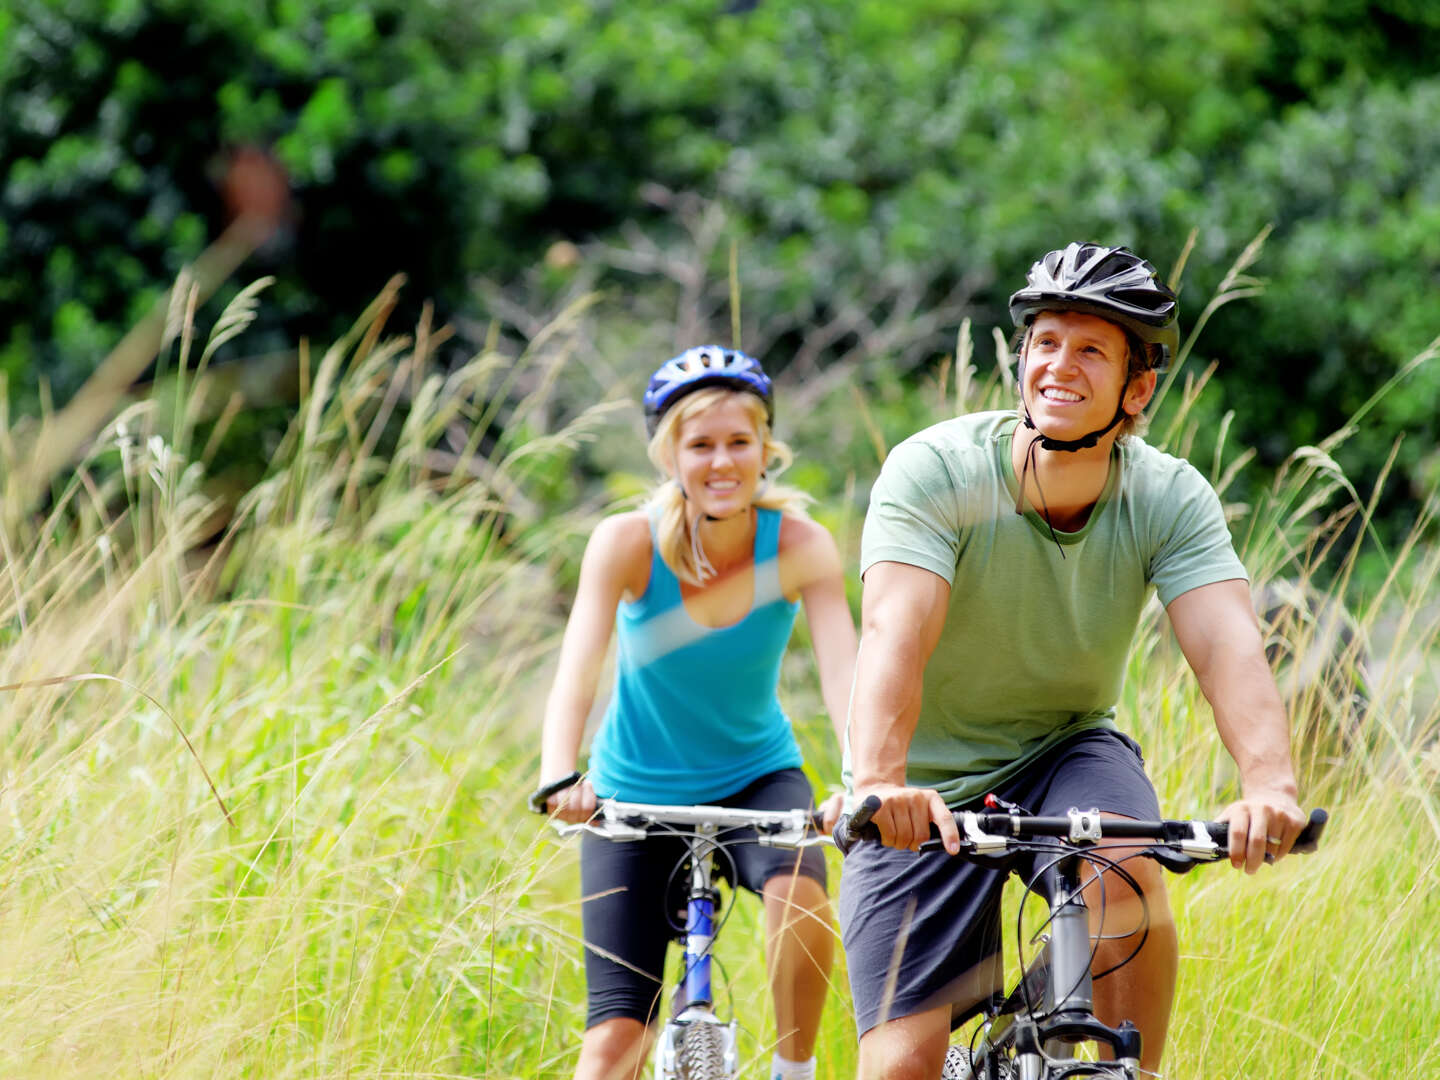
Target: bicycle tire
x=701, y=1055
x=959, y=1065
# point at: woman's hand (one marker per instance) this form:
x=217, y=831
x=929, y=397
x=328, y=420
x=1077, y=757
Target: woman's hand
x=830, y=811
x=575, y=804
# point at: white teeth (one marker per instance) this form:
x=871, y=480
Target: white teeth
x=1054, y=393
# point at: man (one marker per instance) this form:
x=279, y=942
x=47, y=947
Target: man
x=1006, y=560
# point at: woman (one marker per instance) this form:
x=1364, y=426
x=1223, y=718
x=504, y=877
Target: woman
x=703, y=585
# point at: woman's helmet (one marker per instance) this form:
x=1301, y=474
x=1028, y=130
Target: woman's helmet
x=1111, y=282
x=702, y=366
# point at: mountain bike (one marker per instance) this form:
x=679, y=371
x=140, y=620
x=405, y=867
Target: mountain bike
x=1035, y=1031
x=696, y=1043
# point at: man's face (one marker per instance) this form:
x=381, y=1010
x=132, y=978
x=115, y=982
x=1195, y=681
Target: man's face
x=1075, y=373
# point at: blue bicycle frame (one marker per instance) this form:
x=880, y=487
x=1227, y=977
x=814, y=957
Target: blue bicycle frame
x=699, y=933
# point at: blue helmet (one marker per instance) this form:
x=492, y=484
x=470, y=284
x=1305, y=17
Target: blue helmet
x=702, y=366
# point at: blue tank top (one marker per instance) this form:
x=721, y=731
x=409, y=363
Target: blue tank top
x=694, y=715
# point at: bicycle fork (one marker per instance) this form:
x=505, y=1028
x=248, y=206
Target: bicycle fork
x=1051, y=1010
x=1069, y=998
x=696, y=1003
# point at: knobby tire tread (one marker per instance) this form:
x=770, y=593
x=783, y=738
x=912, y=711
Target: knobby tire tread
x=702, y=1053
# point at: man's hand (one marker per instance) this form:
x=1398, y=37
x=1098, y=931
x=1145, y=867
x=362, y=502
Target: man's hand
x=905, y=815
x=1263, y=824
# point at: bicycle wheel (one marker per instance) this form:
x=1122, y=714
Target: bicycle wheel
x=958, y=1066
x=702, y=1053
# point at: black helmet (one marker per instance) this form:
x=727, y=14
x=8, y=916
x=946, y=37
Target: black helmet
x=702, y=366
x=1111, y=282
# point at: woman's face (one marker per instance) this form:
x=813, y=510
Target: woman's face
x=719, y=457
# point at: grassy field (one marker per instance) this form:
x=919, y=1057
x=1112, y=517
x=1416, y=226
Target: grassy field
x=261, y=791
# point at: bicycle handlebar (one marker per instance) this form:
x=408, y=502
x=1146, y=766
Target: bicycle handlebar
x=617, y=820
x=785, y=828
x=997, y=832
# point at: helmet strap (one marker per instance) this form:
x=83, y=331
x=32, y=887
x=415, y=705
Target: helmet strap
x=1030, y=452
x=1070, y=446
x=764, y=487
x=1065, y=446
x=704, y=568
x=1045, y=442
x=685, y=495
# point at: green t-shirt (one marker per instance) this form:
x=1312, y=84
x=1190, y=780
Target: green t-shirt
x=1034, y=645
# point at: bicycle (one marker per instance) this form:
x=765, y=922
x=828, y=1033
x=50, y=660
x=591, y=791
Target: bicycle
x=1034, y=1031
x=696, y=1043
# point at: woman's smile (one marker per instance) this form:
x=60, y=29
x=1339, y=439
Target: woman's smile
x=718, y=458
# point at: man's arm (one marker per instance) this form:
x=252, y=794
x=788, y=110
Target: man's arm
x=902, y=614
x=1216, y=628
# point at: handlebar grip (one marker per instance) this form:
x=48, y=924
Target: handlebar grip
x=852, y=828
x=541, y=796
x=1309, y=838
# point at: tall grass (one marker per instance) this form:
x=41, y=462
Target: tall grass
x=260, y=791
x=277, y=837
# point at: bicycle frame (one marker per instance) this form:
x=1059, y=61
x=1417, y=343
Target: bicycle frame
x=1049, y=1011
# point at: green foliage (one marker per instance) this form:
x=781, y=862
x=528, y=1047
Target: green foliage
x=1312, y=44
x=884, y=169
x=1350, y=185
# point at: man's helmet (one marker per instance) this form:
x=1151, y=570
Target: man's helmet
x=702, y=366
x=1111, y=282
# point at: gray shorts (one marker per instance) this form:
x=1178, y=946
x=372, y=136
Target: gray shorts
x=932, y=923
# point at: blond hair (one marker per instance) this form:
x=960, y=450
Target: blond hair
x=675, y=533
